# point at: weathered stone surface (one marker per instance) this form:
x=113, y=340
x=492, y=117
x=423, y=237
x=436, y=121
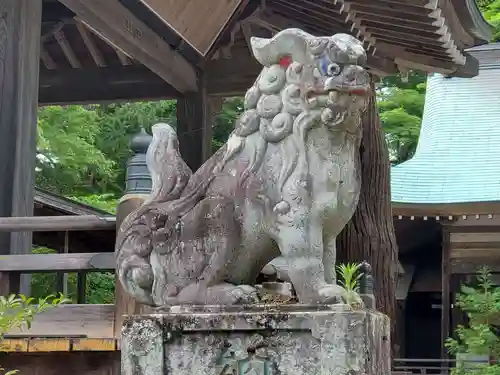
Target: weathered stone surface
x=259, y=340
x=285, y=183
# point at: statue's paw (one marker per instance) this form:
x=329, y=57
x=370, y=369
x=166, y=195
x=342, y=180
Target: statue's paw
x=244, y=295
x=331, y=293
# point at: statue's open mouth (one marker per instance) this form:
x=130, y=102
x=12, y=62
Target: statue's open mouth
x=349, y=90
x=336, y=101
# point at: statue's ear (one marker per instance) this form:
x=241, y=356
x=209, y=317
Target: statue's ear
x=348, y=49
x=289, y=42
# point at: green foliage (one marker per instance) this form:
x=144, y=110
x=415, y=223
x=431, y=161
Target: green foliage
x=491, y=12
x=67, y=150
x=83, y=150
x=225, y=121
x=482, y=306
x=118, y=123
x=19, y=312
x=100, y=286
x=401, y=107
x=349, y=276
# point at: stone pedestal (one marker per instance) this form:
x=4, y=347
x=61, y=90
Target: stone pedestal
x=257, y=340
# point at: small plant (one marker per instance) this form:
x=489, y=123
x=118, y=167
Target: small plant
x=480, y=338
x=349, y=276
x=19, y=312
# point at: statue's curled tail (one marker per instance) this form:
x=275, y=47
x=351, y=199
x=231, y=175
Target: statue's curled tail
x=135, y=239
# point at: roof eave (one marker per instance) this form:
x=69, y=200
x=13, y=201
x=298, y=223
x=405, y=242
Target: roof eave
x=469, y=70
x=473, y=21
x=445, y=209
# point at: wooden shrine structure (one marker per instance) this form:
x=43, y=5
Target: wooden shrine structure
x=195, y=51
x=446, y=203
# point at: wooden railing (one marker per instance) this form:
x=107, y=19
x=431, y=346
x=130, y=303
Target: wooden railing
x=63, y=327
x=410, y=366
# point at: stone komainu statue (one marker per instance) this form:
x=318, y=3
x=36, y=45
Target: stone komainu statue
x=285, y=183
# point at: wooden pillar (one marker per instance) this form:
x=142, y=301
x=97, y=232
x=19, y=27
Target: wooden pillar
x=445, y=289
x=20, y=29
x=194, y=126
x=457, y=315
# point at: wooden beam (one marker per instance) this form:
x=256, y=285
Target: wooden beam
x=100, y=85
x=123, y=29
x=124, y=60
x=471, y=267
x=391, y=6
x=89, y=43
x=56, y=223
x=73, y=362
x=377, y=65
x=70, y=262
x=142, y=91
x=198, y=22
x=67, y=49
x=47, y=59
x=58, y=26
x=480, y=221
x=420, y=3
x=79, y=321
x=20, y=29
x=91, y=77
x=470, y=209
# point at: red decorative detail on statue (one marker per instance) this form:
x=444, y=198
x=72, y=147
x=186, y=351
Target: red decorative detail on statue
x=285, y=61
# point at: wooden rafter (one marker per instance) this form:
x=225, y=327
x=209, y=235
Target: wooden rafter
x=67, y=49
x=58, y=26
x=274, y=22
x=124, y=58
x=47, y=60
x=89, y=43
x=430, y=23
x=111, y=19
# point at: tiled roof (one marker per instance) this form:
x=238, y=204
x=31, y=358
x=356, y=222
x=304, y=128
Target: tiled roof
x=458, y=155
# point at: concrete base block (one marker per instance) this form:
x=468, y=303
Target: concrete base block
x=257, y=340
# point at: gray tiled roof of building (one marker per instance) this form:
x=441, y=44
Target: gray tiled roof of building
x=458, y=155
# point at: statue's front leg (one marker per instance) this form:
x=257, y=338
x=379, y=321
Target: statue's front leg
x=330, y=258
x=301, y=243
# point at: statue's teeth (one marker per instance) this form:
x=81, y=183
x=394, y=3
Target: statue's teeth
x=333, y=95
x=326, y=115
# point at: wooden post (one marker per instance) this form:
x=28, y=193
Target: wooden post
x=458, y=317
x=194, y=126
x=445, y=289
x=20, y=29
x=137, y=190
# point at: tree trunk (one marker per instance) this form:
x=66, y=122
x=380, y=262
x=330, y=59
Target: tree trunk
x=370, y=234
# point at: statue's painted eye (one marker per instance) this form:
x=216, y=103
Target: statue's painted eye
x=333, y=70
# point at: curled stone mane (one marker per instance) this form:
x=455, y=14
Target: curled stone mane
x=274, y=112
